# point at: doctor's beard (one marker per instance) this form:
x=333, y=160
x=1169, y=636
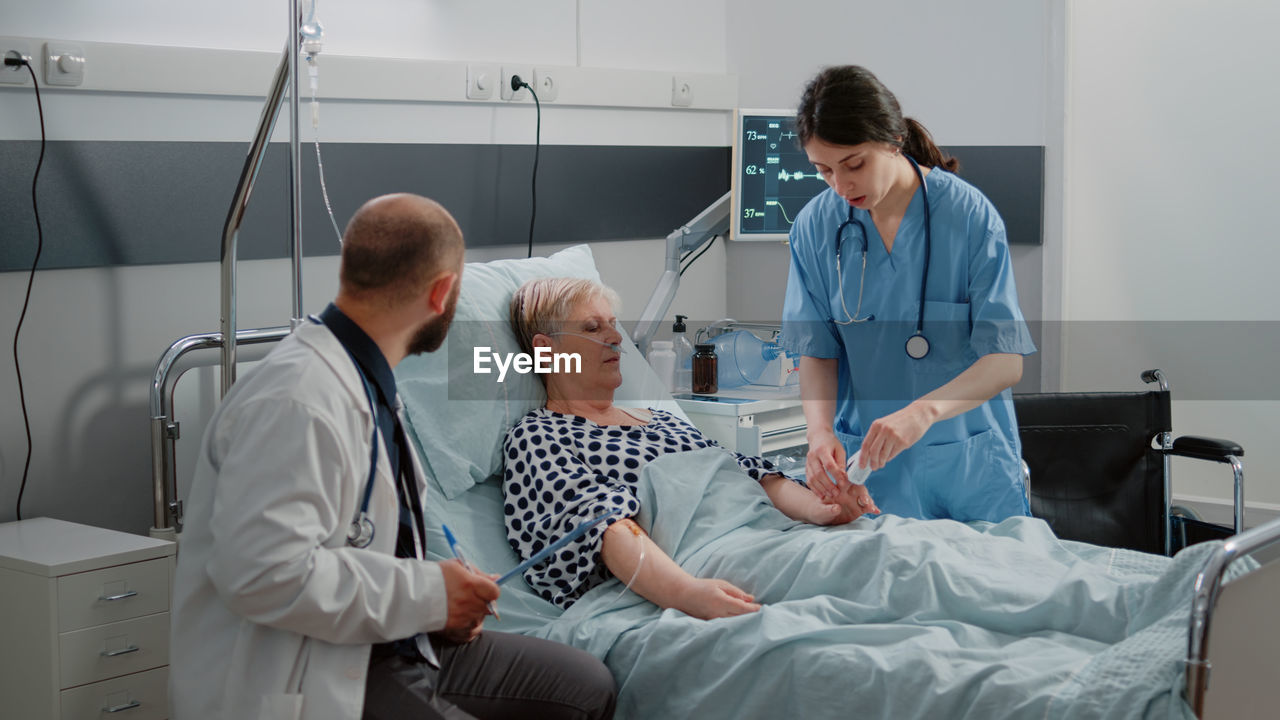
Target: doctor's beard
x=431, y=335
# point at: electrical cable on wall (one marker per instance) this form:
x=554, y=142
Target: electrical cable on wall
x=516, y=84
x=35, y=208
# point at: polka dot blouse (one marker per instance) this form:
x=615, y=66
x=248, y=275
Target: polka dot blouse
x=564, y=469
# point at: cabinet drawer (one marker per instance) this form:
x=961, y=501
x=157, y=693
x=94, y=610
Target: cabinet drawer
x=783, y=439
x=781, y=429
x=113, y=594
x=141, y=696
x=106, y=651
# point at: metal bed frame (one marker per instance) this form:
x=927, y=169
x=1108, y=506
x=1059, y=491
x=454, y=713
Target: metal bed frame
x=1245, y=685
x=1241, y=614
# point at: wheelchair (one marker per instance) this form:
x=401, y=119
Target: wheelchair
x=1097, y=467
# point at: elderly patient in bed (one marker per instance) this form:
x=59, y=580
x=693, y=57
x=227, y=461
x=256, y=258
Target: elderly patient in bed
x=902, y=617
x=581, y=455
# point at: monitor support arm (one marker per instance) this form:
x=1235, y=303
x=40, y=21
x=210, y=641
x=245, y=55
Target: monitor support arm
x=688, y=237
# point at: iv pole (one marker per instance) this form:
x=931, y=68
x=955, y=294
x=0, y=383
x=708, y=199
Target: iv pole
x=167, y=514
x=286, y=78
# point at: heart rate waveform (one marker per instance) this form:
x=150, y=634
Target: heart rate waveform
x=785, y=176
x=773, y=179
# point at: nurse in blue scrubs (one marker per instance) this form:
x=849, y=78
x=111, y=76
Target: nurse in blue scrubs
x=902, y=306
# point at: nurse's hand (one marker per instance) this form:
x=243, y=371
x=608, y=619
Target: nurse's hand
x=893, y=433
x=469, y=595
x=824, y=462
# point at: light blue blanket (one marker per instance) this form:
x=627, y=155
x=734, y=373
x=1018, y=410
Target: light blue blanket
x=884, y=618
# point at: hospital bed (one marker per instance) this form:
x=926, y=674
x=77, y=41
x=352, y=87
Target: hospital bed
x=1223, y=622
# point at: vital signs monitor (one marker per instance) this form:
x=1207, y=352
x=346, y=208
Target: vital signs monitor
x=772, y=177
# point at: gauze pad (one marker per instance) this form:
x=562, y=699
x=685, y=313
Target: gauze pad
x=857, y=475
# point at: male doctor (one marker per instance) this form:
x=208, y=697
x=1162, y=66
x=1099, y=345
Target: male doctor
x=284, y=605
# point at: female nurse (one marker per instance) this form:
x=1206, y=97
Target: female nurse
x=902, y=306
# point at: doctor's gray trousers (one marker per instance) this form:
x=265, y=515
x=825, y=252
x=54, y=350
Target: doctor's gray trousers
x=495, y=676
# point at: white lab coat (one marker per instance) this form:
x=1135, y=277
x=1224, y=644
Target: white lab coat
x=273, y=614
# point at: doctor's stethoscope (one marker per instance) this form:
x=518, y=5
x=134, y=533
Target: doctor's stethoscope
x=917, y=344
x=361, y=530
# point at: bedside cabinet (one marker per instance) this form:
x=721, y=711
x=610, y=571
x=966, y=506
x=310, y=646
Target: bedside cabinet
x=84, y=617
x=752, y=420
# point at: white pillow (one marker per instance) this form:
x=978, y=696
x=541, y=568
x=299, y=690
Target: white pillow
x=460, y=417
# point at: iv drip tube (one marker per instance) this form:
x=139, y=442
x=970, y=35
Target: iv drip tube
x=295, y=160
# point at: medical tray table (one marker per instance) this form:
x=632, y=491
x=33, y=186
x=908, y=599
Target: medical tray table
x=752, y=420
x=84, y=614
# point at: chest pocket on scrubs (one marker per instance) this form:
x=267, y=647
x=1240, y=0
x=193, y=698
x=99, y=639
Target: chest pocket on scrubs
x=948, y=327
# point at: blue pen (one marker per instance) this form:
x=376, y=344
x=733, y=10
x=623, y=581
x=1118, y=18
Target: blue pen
x=546, y=552
x=457, y=553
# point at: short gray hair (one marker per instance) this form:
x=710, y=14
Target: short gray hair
x=543, y=305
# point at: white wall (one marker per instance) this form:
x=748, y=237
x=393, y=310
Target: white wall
x=92, y=337
x=1172, y=166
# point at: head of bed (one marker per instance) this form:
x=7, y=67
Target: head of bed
x=458, y=418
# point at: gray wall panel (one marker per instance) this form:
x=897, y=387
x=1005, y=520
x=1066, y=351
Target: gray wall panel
x=1012, y=177
x=139, y=203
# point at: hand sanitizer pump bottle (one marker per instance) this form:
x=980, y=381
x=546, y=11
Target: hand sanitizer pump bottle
x=684, y=355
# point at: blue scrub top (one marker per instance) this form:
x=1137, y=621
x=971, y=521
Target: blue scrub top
x=966, y=467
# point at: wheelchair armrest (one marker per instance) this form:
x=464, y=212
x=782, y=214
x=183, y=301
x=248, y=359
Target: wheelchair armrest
x=1204, y=448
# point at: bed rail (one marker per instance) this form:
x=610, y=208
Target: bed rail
x=1208, y=588
x=167, y=511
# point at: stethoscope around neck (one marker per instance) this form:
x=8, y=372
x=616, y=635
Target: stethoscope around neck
x=917, y=345
x=361, y=531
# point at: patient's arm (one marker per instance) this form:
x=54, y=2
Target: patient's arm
x=800, y=503
x=663, y=582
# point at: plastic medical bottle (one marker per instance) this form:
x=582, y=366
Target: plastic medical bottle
x=743, y=358
x=663, y=360
x=684, y=355
x=704, y=369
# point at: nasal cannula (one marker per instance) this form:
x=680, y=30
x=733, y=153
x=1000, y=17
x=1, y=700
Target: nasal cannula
x=616, y=347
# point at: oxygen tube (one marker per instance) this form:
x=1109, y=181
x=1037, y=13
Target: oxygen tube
x=612, y=346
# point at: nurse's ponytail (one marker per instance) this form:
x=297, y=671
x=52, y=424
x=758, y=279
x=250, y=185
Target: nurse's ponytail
x=848, y=105
x=919, y=145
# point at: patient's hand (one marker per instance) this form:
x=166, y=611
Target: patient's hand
x=828, y=514
x=855, y=499
x=709, y=598
x=800, y=503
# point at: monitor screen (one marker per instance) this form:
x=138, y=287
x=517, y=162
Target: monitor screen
x=772, y=177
